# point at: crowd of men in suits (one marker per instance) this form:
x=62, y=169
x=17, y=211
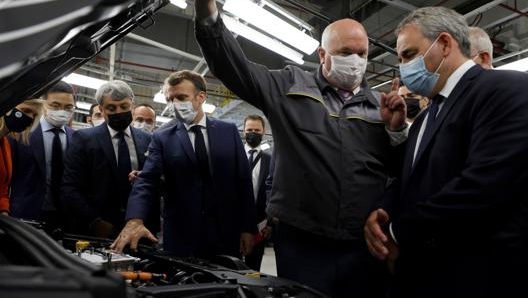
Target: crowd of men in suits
x=209, y=201
x=81, y=181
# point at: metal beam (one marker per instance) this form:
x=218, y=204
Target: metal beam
x=474, y=8
x=399, y=4
x=163, y=46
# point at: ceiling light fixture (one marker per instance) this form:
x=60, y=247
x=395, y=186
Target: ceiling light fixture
x=381, y=84
x=180, y=3
x=287, y=15
x=83, y=105
x=263, y=40
x=84, y=81
x=271, y=24
x=160, y=97
x=520, y=65
x=208, y=108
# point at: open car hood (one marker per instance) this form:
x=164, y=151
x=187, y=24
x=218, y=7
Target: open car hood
x=42, y=41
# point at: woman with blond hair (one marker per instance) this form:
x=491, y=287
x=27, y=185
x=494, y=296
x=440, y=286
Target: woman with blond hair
x=16, y=123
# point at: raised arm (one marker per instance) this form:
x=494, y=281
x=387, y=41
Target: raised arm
x=204, y=8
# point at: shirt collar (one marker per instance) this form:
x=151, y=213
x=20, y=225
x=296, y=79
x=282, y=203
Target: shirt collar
x=247, y=147
x=202, y=123
x=113, y=132
x=455, y=77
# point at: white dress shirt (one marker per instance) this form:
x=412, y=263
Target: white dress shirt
x=203, y=125
x=255, y=173
x=130, y=143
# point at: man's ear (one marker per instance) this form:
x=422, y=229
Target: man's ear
x=202, y=96
x=447, y=41
x=321, y=53
x=485, y=57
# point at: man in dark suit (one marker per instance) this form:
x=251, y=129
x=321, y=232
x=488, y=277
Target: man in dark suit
x=457, y=225
x=37, y=166
x=259, y=162
x=209, y=206
x=96, y=181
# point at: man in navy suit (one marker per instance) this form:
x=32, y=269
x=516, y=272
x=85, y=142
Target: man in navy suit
x=209, y=207
x=36, y=170
x=457, y=224
x=100, y=162
x=259, y=164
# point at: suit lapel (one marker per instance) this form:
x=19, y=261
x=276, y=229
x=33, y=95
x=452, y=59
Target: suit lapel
x=185, y=142
x=139, y=144
x=36, y=141
x=449, y=103
x=215, y=139
x=105, y=141
x=69, y=132
x=264, y=165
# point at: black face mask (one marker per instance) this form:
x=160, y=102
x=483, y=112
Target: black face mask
x=17, y=121
x=413, y=106
x=253, y=139
x=120, y=121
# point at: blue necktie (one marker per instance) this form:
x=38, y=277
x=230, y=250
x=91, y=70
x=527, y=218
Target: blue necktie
x=430, y=125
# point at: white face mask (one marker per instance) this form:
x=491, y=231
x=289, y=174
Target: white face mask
x=58, y=118
x=97, y=122
x=347, y=71
x=184, y=111
x=143, y=125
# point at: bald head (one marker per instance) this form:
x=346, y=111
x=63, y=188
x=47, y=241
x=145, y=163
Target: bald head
x=343, y=29
x=343, y=54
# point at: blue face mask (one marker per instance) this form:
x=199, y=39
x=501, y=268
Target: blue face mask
x=416, y=77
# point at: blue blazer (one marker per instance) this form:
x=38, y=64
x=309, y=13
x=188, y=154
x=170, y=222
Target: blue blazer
x=90, y=177
x=171, y=154
x=28, y=185
x=460, y=214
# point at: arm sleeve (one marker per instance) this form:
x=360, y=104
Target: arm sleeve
x=146, y=188
x=76, y=179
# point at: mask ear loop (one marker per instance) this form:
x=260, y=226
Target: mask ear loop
x=430, y=47
x=440, y=65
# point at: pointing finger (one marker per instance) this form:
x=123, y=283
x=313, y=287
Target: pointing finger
x=395, y=84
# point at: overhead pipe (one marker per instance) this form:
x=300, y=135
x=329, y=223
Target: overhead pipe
x=522, y=13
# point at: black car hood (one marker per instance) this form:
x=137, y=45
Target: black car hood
x=43, y=40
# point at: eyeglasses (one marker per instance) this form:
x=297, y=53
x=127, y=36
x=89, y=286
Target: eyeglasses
x=57, y=107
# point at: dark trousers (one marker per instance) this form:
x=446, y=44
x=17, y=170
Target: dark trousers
x=254, y=259
x=55, y=219
x=337, y=268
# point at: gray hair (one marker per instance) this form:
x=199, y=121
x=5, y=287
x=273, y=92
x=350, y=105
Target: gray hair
x=434, y=20
x=117, y=90
x=480, y=42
